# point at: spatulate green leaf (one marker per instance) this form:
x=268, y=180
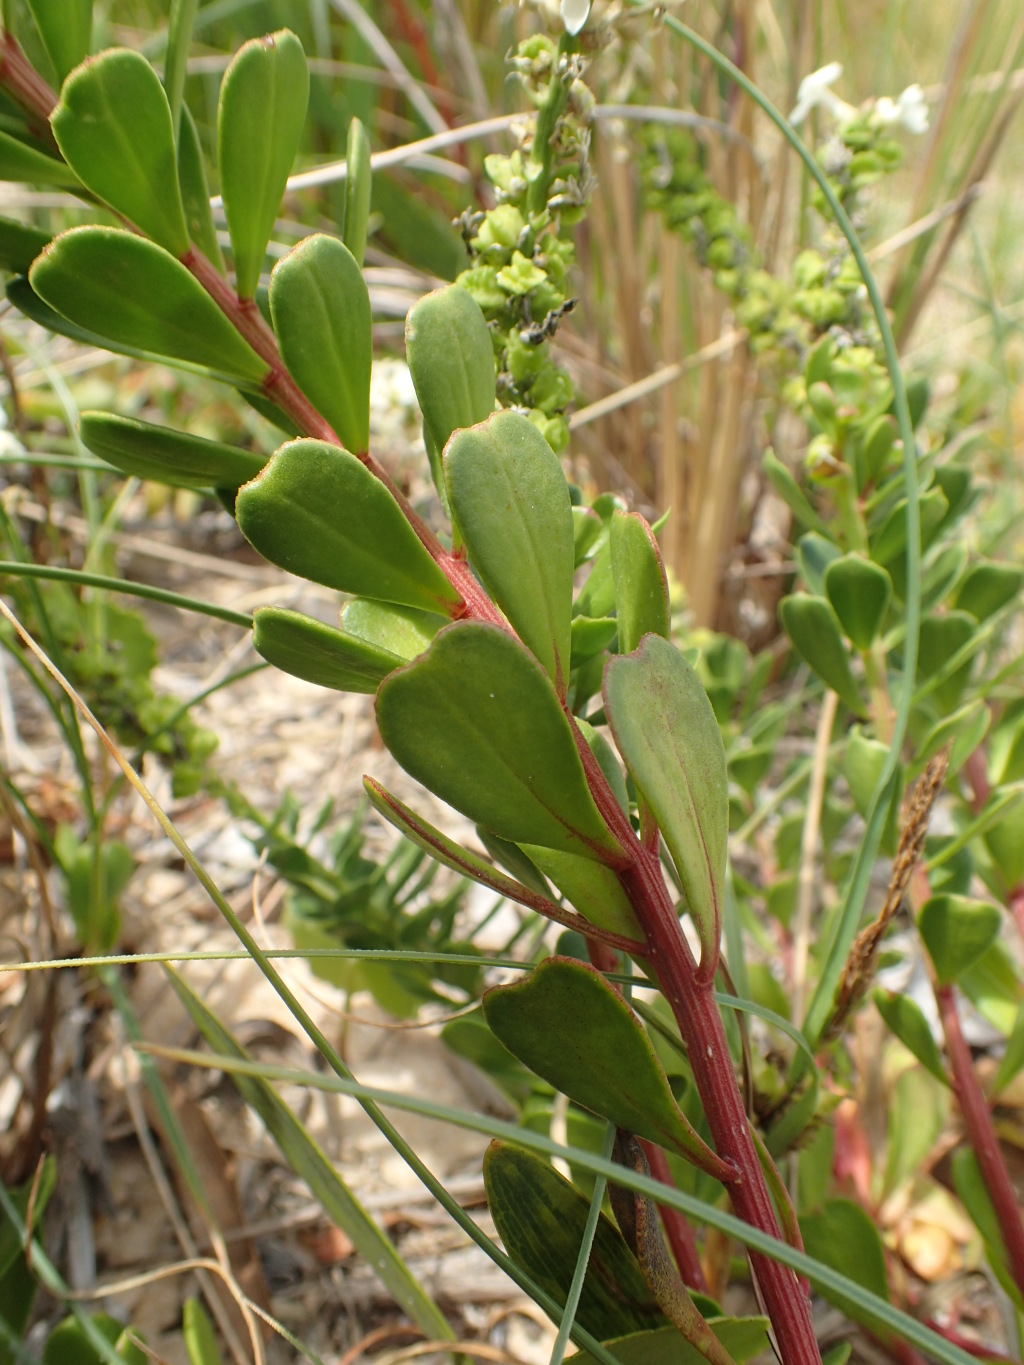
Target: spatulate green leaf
x=319, y=653
x=200, y=1338
x=131, y=291
x=566, y=1023
x=113, y=125
x=812, y=626
x=906, y=1020
x=173, y=457
x=843, y=1236
x=358, y=185
x=510, y=501
x=448, y=347
x=641, y=591
x=477, y=721
x=318, y=512
x=859, y=592
x=65, y=27
x=987, y=587
x=310, y=1164
x=399, y=630
x=321, y=311
x=743, y=1338
x=667, y=734
x=260, y=116
x=957, y=931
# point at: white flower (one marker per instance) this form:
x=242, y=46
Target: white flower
x=574, y=14
x=913, y=110
x=815, y=92
x=910, y=111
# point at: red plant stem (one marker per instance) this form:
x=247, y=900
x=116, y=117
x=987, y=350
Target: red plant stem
x=677, y=1229
x=691, y=997
x=700, y=1025
x=982, y=1135
x=24, y=84
x=282, y=390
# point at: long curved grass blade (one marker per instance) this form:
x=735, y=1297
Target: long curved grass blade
x=326, y=1185
x=879, y=1313
x=316, y=1036
x=849, y=917
x=99, y=580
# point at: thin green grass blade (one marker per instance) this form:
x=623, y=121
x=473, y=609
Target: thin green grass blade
x=849, y=918
x=326, y=1185
x=99, y=580
x=881, y=1314
x=306, y=1023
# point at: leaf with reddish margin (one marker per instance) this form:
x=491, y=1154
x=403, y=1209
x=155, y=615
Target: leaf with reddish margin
x=477, y=721
x=510, y=501
x=321, y=311
x=319, y=653
x=260, y=116
x=566, y=1023
x=318, y=512
x=667, y=734
x=641, y=591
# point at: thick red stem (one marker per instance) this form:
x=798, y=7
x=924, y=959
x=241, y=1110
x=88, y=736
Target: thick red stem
x=700, y=1026
x=677, y=1229
x=982, y=1135
x=24, y=84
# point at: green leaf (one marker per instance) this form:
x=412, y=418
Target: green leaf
x=260, y=116
x=358, y=187
x=860, y=593
x=588, y=637
x=448, y=347
x=476, y=720
x=24, y=162
x=970, y=1185
x=200, y=1338
x=567, y=1024
x=318, y=512
x=446, y=851
x=398, y=630
x=69, y=1343
x=667, y=734
x=20, y=245
x=957, y=932
x=987, y=587
x=941, y=638
x=743, y=1338
x=195, y=191
x=321, y=311
x=180, y=23
x=113, y=125
x=812, y=626
x=325, y=1184
x=814, y=554
x=510, y=501
x=319, y=653
x=863, y=762
x=173, y=457
x=540, y=1218
x=65, y=27
x=136, y=294
x=641, y=590
x=592, y=888
x=1012, y=1062
x=844, y=1237
x=906, y=1021
x=890, y=543
x=791, y=493
x=964, y=730
x=917, y=1110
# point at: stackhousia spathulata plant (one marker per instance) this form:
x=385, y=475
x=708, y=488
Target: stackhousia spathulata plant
x=499, y=684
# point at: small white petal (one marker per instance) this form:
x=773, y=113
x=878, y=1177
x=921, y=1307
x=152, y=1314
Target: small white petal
x=886, y=112
x=574, y=14
x=913, y=109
